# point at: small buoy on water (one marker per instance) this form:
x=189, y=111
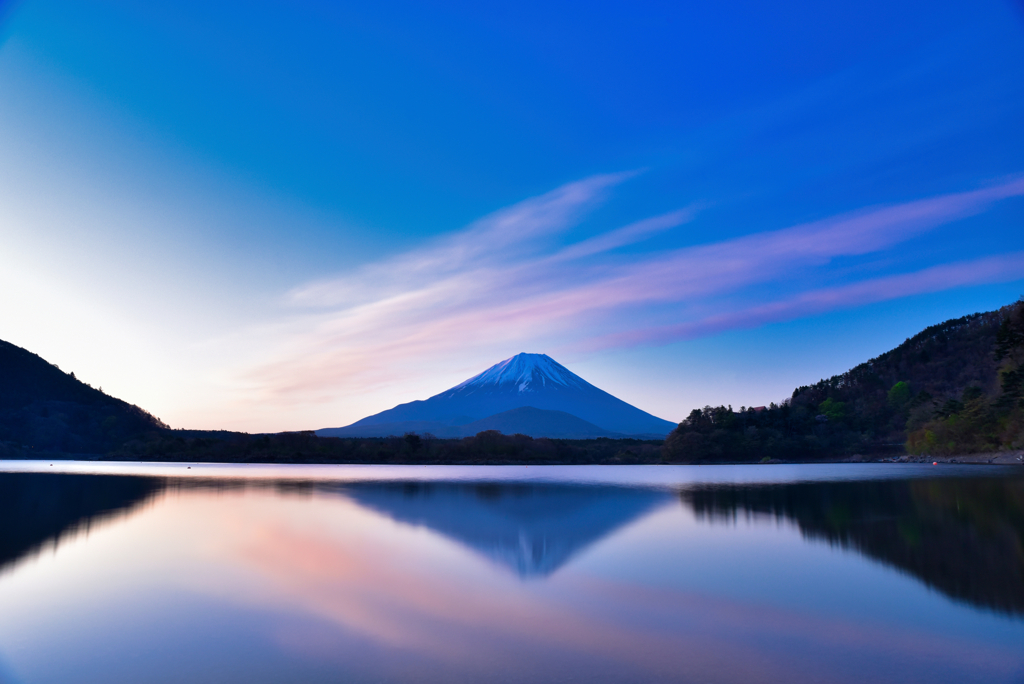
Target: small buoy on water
x=935, y=463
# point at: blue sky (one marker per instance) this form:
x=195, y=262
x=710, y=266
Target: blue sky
x=268, y=216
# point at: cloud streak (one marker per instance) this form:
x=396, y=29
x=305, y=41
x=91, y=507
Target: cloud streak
x=936, y=279
x=503, y=235
x=510, y=282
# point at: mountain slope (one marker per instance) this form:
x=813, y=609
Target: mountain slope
x=535, y=422
x=534, y=380
x=524, y=421
x=43, y=409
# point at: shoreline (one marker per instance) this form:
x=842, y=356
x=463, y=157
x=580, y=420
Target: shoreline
x=991, y=458
x=1015, y=457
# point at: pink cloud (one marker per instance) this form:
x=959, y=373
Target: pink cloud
x=503, y=284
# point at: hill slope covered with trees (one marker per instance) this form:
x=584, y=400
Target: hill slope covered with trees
x=954, y=388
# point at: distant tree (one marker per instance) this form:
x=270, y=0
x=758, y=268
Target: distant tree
x=899, y=395
x=832, y=409
x=1010, y=337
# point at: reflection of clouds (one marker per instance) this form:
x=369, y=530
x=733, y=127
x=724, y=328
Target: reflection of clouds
x=459, y=618
x=374, y=591
x=414, y=593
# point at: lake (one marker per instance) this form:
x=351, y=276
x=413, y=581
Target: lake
x=777, y=573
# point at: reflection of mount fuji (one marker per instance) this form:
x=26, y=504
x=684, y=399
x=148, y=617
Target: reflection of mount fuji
x=534, y=530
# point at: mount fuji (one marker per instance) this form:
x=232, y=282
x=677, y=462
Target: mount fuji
x=530, y=394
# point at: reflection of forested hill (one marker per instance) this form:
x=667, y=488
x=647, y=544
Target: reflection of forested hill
x=964, y=537
x=40, y=508
x=534, y=530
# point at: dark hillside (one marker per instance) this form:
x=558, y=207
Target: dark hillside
x=953, y=388
x=43, y=409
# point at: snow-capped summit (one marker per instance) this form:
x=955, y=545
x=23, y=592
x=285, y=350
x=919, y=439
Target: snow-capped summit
x=526, y=380
x=528, y=372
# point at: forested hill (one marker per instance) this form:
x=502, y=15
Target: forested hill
x=953, y=388
x=45, y=410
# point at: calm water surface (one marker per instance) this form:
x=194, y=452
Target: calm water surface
x=851, y=573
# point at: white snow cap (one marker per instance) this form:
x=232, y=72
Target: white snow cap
x=529, y=371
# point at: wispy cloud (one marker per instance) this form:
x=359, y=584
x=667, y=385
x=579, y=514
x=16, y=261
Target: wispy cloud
x=936, y=279
x=506, y=283
x=503, y=236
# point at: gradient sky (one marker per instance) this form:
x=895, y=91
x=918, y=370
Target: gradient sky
x=274, y=216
